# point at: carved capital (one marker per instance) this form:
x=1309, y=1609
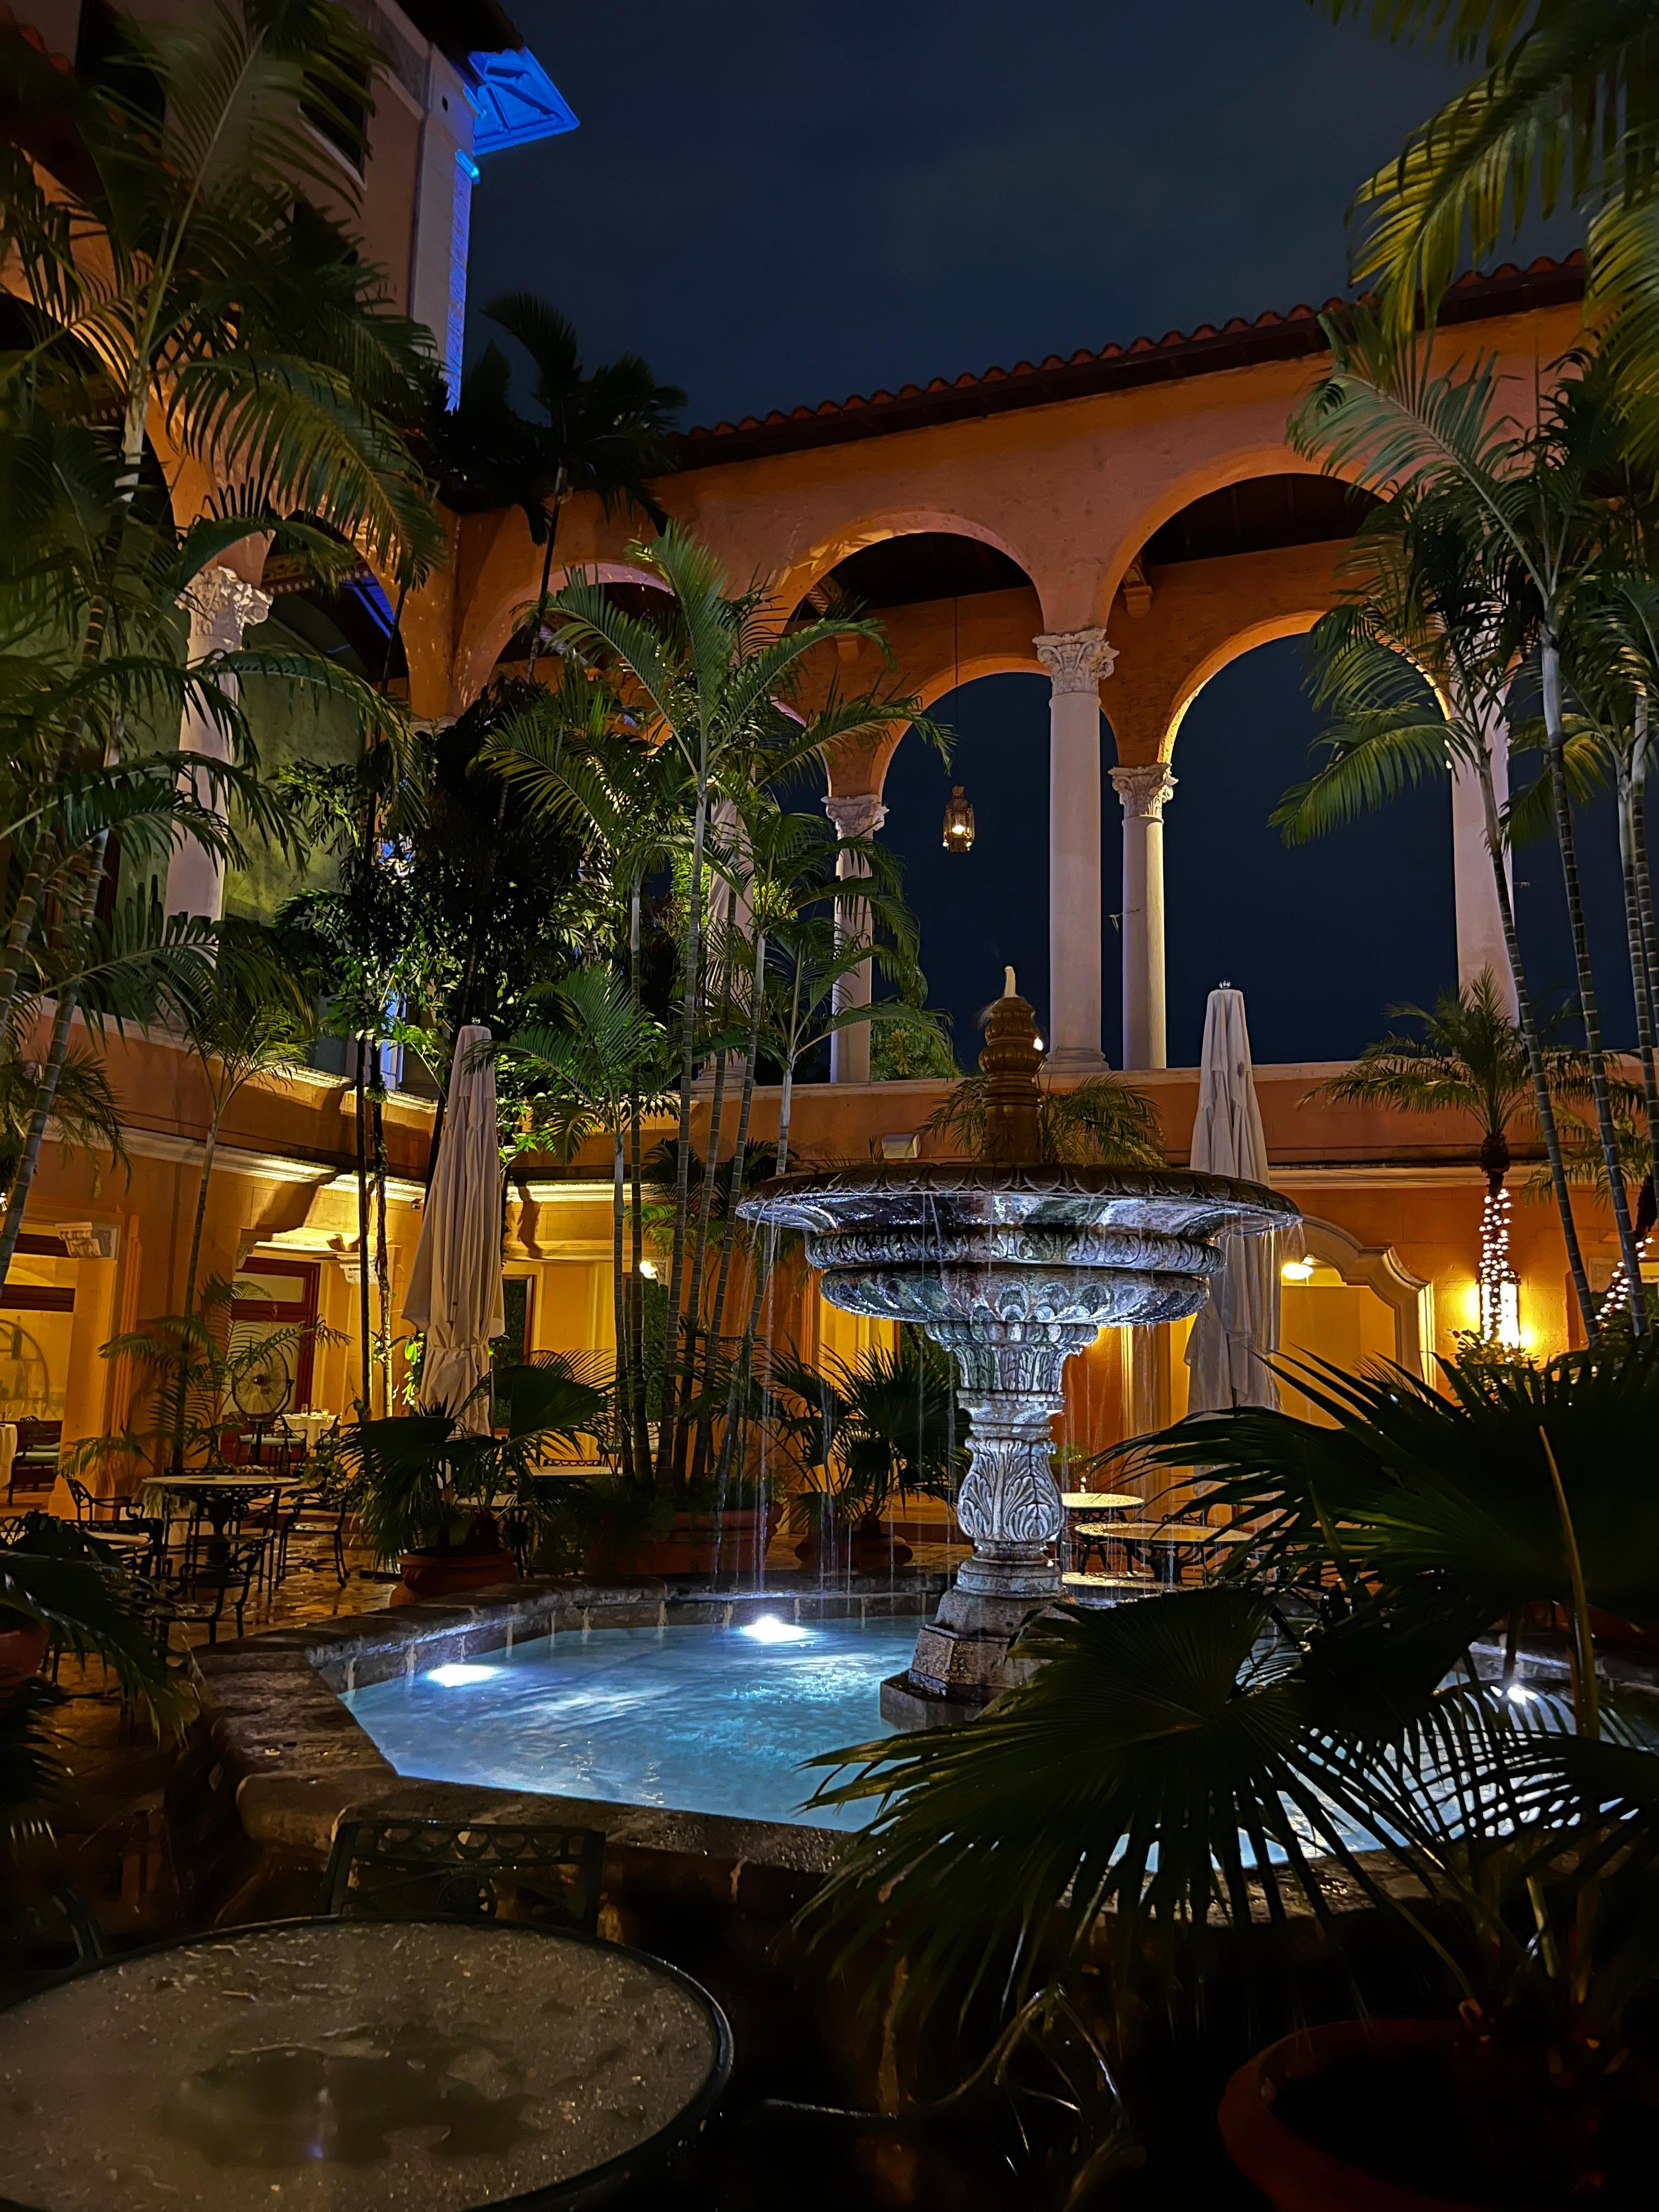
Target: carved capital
x=1143, y=790
x=221, y=606
x=856, y=813
x=1076, y=659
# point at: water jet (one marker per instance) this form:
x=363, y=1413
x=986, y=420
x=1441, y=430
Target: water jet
x=1013, y=1264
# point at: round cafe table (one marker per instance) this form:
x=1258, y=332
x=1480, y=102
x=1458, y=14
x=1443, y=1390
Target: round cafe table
x=1098, y=1501
x=340, y=2065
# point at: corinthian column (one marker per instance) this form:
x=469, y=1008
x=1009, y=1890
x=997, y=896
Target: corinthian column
x=1143, y=792
x=221, y=606
x=855, y=814
x=1076, y=662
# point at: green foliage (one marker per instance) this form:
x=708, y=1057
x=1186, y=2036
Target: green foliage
x=882, y=1426
x=907, y=1055
x=1101, y=1122
x=191, y=1367
x=63, y=1579
x=1469, y=1059
x=423, y=1482
x=1181, y=1757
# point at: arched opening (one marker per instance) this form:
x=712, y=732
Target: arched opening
x=634, y=592
x=1321, y=938
x=960, y=617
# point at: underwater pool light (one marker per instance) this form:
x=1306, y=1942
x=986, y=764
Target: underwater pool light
x=453, y=1677
x=768, y=1629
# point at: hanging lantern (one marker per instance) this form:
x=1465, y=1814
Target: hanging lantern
x=958, y=823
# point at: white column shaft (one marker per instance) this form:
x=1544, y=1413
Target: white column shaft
x=1076, y=662
x=1143, y=792
x=1474, y=895
x=856, y=814
x=221, y=606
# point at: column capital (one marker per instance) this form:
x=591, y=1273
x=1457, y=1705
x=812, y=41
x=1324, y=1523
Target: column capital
x=855, y=813
x=1076, y=659
x=1143, y=790
x=222, y=605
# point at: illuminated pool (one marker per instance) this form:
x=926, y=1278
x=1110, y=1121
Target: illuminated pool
x=705, y=1720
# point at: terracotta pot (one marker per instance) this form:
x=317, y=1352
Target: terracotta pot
x=1293, y=2174
x=21, y=1650
x=694, y=1544
x=869, y=1549
x=443, y=1574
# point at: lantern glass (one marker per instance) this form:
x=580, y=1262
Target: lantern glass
x=958, y=823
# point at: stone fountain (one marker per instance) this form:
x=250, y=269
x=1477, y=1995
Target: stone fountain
x=1013, y=1264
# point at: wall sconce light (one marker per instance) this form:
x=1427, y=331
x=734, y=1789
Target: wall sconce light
x=1296, y=1271
x=958, y=823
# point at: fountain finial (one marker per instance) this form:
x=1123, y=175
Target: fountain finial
x=1010, y=1062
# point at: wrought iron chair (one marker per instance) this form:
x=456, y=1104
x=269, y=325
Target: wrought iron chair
x=391, y=1869
x=229, y=1579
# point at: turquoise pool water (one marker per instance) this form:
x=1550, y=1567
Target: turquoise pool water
x=705, y=1720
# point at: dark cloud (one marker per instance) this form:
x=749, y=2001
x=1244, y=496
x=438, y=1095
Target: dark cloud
x=785, y=205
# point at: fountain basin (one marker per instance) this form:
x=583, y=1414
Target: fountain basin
x=1013, y=1267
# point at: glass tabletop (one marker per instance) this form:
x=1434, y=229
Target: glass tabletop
x=350, y=2066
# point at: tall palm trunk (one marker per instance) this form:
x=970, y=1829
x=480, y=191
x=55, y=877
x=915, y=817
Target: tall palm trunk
x=697, y=1271
x=768, y=1250
x=618, y=1293
x=492, y=857
x=640, y=1410
x=365, y=1367
x=1639, y=919
x=1526, y=1022
x=705, y=1425
x=690, y=984
x=1555, y=735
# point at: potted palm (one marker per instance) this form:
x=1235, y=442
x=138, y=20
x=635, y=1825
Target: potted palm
x=868, y=1433
x=61, y=1587
x=1343, y=1722
x=427, y=1490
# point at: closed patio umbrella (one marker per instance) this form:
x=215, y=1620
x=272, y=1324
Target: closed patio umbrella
x=1236, y=1333
x=454, y=1292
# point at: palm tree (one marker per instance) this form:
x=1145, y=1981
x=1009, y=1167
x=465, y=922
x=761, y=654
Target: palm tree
x=1468, y=1059
x=196, y=285
x=1505, y=560
x=604, y=432
x=882, y=1426
x=714, y=678
x=1176, y=1762
x=604, y=1058
x=1566, y=105
x=1100, y=1122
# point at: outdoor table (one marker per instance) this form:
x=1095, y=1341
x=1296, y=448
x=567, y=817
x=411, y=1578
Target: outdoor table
x=339, y=2065
x=218, y=1495
x=1100, y=1501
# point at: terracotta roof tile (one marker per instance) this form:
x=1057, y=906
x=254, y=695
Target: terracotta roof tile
x=1271, y=335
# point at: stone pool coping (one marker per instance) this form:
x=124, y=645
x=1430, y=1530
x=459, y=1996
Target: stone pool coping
x=299, y=1761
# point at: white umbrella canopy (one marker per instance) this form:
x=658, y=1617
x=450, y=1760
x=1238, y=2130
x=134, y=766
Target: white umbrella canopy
x=1236, y=1334
x=454, y=1293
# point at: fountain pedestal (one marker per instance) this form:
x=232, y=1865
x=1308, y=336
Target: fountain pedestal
x=1012, y=1265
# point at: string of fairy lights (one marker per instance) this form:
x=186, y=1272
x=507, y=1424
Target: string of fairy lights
x=1499, y=1284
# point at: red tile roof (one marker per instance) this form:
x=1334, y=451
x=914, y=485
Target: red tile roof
x=1476, y=297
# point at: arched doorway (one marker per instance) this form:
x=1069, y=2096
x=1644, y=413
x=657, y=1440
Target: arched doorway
x=1322, y=938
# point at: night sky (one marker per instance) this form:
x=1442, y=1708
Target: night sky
x=779, y=206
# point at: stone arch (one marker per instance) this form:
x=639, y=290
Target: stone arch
x=1295, y=624
x=1216, y=472
x=799, y=575
x=1378, y=1267
x=490, y=625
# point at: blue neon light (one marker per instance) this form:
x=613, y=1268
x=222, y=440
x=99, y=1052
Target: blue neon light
x=515, y=102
